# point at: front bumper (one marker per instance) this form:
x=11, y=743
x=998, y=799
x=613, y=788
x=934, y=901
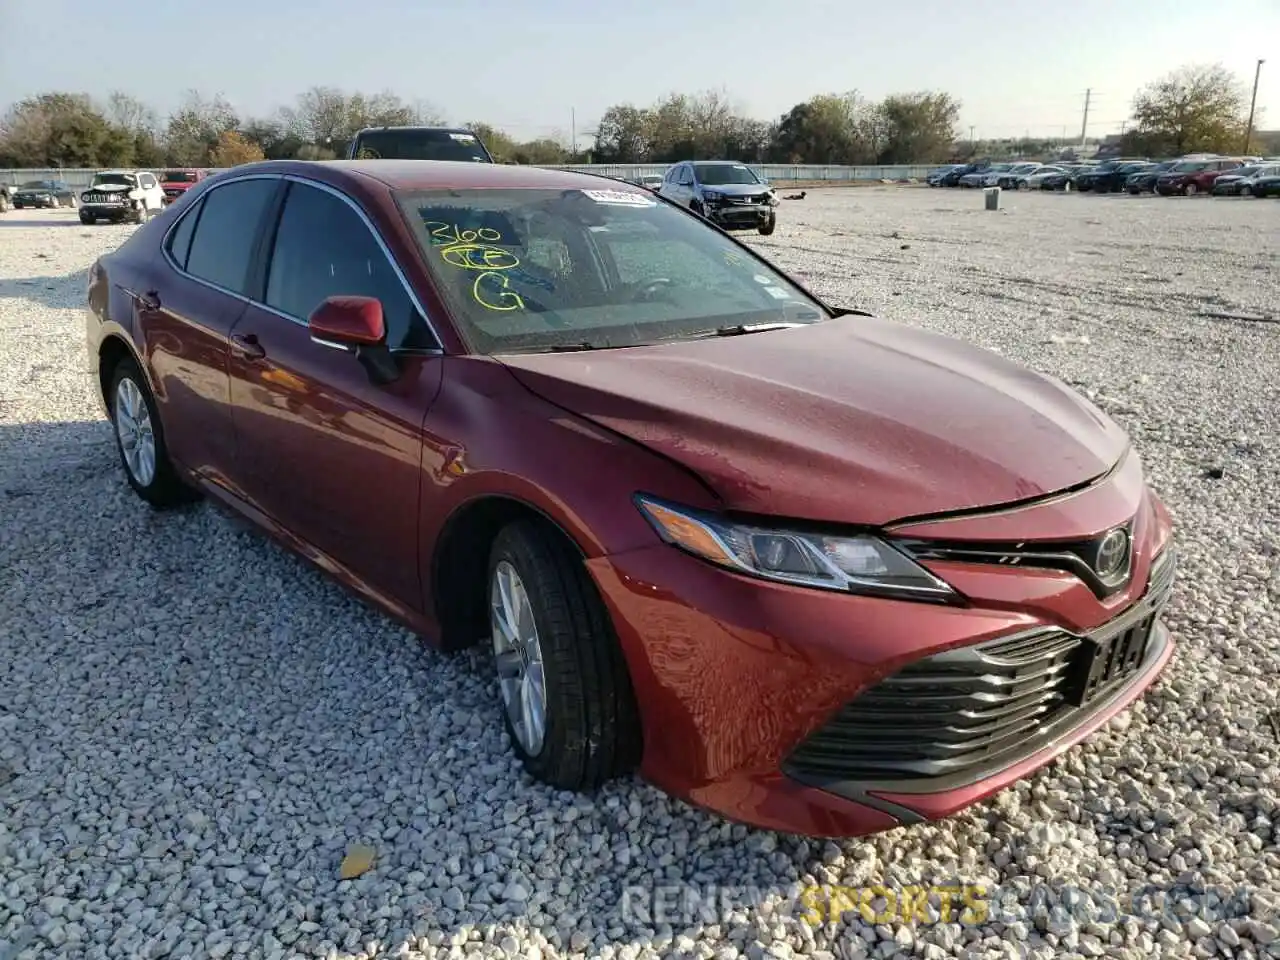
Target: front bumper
x=113, y=211
x=741, y=216
x=758, y=699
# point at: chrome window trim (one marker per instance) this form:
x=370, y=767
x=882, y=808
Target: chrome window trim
x=305, y=181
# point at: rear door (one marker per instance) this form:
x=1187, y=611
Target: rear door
x=185, y=306
x=331, y=456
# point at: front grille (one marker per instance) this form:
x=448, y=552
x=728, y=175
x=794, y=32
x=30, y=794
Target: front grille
x=758, y=199
x=981, y=708
x=102, y=198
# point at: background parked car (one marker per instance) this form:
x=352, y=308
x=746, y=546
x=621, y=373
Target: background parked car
x=1109, y=177
x=44, y=193
x=1190, y=177
x=418, y=143
x=937, y=178
x=1267, y=186
x=729, y=194
x=1059, y=181
x=953, y=177
x=976, y=177
x=120, y=195
x=1237, y=183
x=1144, y=180
x=1007, y=179
x=175, y=183
x=1035, y=178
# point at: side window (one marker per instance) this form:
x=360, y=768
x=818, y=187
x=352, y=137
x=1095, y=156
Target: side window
x=180, y=239
x=147, y=180
x=223, y=241
x=323, y=248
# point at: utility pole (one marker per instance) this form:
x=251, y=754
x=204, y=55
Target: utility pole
x=1084, y=124
x=1248, y=133
x=573, y=125
x=972, y=143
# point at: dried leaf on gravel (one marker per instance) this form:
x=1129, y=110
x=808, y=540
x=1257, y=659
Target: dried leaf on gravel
x=358, y=861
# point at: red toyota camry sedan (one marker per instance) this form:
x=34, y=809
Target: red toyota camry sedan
x=812, y=570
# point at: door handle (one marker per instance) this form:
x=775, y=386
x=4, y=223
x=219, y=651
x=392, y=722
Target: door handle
x=148, y=301
x=247, y=346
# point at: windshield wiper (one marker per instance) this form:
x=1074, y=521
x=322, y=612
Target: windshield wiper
x=738, y=329
x=572, y=347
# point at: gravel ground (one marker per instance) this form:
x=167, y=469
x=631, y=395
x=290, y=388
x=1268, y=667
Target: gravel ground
x=194, y=726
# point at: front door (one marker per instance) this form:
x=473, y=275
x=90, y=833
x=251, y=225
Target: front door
x=332, y=456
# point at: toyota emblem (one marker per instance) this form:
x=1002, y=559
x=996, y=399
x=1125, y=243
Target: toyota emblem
x=1113, y=554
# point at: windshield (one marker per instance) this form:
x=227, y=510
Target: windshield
x=1246, y=171
x=715, y=174
x=1190, y=166
x=1025, y=167
x=533, y=269
x=419, y=145
x=102, y=178
x=36, y=185
x=178, y=176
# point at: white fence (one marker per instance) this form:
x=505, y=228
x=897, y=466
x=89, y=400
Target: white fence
x=778, y=173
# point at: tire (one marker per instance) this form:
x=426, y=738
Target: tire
x=696, y=207
x=54, y=203
x=766, y=228
x=1023, y=185
x=87, y=220
x=130, y=401
x=1246, y=190
x=592, y=726
x=1190, y=190
x=140, y=215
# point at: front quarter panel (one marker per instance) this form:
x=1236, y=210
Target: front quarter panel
x=488, y=436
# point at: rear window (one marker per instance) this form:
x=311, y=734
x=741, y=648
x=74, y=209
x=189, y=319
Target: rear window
x=608, y=266
x=419, y=145
x=179, y=176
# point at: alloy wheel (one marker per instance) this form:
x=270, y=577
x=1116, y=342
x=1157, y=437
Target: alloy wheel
x=137, y=437
x=518, y=656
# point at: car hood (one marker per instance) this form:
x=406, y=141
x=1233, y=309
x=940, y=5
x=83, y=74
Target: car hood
x=113, y=185
x=851, y=420
x=31, y=191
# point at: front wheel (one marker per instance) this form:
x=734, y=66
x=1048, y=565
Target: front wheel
x=567, y=698
x=769, y=225
x=140, y=439
x=87, y=220
x=1246, y=190
x=1190, y=190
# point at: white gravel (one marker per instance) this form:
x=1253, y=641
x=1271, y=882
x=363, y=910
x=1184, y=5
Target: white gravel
x=194, y=726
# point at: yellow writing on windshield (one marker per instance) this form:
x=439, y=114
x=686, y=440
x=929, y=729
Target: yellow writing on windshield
x=475, y=250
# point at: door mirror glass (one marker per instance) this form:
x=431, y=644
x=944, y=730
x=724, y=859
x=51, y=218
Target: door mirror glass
x=348, y=322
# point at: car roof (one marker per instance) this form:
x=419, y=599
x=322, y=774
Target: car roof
x=436, y=174
x=416, y=127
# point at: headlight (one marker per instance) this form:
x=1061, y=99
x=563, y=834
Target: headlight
x=712, y=195
x=856, y=563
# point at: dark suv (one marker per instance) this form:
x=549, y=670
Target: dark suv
x=1189, y=177
x=729, y=194
x=417, y=143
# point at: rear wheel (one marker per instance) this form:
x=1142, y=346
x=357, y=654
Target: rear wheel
x=1190, y=190
x=1246, y=190
x=567, y=698
x=140, y=439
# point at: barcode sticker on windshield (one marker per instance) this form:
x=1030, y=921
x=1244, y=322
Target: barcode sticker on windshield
x=777, y=293
x=621, y=197
x=463, y=137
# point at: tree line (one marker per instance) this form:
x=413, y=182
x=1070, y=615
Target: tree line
x=1195, y=108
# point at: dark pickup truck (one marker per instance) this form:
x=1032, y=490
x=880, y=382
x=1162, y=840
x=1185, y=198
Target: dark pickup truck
x=417, y=143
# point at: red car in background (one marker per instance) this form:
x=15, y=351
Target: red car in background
x=177, y=182
x=1190, y=177
x=811, y=569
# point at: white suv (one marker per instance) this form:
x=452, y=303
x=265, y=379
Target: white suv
x=120, y=195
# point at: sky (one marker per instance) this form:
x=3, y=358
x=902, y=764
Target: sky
x=551, y=67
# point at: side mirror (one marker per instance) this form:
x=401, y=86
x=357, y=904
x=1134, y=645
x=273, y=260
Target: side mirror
x=355, y=325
